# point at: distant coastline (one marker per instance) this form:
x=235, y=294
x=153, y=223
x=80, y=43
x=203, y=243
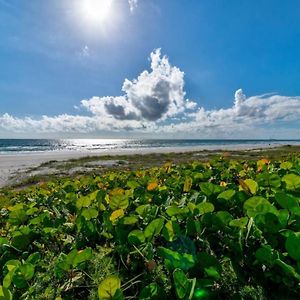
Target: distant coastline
x=26, y=146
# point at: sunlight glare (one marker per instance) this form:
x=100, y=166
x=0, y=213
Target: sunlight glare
x=96, y=12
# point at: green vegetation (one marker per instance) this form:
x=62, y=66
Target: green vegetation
x=224, y=229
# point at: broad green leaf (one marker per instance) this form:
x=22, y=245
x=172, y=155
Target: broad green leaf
x=182, y=284
x=292, y=181
x=268, y=222
x=265, y=254
x=296, y=211
x=142, y=209
x=286, y=165
x=117, y=201
x=31, y=211
x=82, y=256
x=212, y=272
x=19, y=206
x=154, y=228
x=191, y=206
x=69, y=187
x=175, y=210
x=132, y=184
x=118, y=295
x=8, y=279
x=283, y=217
x=22, y=274
x=222, y=218
x=257, y=205
x=3, y=240
x=62, y=265
x=286, y=201
x=136, y=237
x=34, y=258
x=27, y=271
x=226, y=195
x=84, y=201
x=193, y=227
x=71, y=256
x=209, y=188
x=241, y=222
x=292, y=245
x=151, y=292
x=108, y=287
x=75, y=257
x=169, y=231
x=17, y=216
x=268, y=179
x=177, y=260
x=130, y=220
x=5, y=293
x=274, y=180
x=12, y=264
x=89, y=213
x=203, y=208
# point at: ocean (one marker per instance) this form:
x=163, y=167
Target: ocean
x=14, y=146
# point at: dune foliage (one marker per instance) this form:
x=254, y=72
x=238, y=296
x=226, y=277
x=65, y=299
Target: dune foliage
x=224, y=229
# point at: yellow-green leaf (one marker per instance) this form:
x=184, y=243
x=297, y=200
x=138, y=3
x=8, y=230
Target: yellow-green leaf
x=117, y=214
x=249, y=185
x=187, y=184
x=292, y=181
x=286, y=165
x=108, y=287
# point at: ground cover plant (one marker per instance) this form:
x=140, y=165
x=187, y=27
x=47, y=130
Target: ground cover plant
x=224, y=229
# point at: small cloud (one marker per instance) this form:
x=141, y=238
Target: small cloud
x=133, y=4
x=85, y=51
x=239, y=97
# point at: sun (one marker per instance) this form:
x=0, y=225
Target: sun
x=95, y=12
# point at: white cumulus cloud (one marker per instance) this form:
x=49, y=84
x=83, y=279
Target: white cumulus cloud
x=246, y=116
x=155, y=103
x=152, y=96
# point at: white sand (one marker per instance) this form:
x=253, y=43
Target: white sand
x=13, y=164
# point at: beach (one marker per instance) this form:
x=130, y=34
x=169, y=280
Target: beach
x=17, y=167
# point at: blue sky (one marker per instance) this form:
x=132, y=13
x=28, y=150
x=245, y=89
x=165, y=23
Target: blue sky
x=55, y=56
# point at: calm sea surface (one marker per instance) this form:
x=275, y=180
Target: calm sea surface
x=10, y=146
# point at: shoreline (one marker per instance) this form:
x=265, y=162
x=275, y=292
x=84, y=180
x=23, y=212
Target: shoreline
x=17, y=167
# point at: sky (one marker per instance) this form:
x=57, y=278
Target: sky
x=150, y=68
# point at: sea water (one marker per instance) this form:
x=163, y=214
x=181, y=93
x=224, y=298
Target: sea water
x=14, y=146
